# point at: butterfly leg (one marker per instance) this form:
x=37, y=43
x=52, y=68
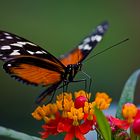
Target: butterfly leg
x=61, y=86
x=85, y=80
x=90, y=80
x=47, y=92
x=65, y=87
x=81, y=80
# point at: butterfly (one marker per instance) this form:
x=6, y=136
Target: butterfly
x=29, y=63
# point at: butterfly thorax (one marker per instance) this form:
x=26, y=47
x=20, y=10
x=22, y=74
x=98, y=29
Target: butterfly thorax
x=70, y=72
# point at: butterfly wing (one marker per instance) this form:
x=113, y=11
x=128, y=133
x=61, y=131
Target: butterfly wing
x=15, y=50
x=27, y=62
x=79, y=53
x=34, y=70
x=12, y=46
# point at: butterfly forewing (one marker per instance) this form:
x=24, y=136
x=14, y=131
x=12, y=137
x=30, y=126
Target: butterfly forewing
x=12, y=46
x=81, y=51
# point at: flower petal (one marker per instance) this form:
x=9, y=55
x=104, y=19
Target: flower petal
x=86, y=126
x=122, y=124
x=70, y=135
x=78, y=134
x=64, y=125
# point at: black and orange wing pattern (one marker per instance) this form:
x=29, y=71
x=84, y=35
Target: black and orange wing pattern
x=81, y=51
x=24, y=60
x=34, y=70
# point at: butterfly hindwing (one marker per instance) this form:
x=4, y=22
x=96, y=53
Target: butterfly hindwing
x=79, y=53
x=34, y=70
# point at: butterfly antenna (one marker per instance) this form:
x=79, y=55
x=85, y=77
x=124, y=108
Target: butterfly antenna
x=107, y=49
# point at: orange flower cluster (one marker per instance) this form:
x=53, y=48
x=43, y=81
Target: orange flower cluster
x=72, y=115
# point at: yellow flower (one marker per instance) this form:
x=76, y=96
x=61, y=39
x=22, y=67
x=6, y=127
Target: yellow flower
x=50, y=109
x=76, y=115
x=46, y=112
x=102, y=100
x=39, y=113
x=64, y=103
x=74, y=109
x=89, y=109
x=129, y=111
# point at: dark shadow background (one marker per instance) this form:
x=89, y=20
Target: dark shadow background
x=58, y=26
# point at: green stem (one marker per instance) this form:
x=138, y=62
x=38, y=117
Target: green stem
x=99, y=134
x=6, y=132
x=133, y=135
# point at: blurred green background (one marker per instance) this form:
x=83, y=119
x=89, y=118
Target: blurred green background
x=58, y=26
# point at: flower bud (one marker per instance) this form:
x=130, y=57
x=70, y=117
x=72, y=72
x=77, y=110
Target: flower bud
x=136, y=124
x=80, y=101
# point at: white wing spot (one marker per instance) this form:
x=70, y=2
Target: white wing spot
x=30, y=52
x=24, y=43
x=5, y=47
x=9, y=65
x=44, y=52
x=80, y=46
x=85, y=47
x=9, y=37
x=100, y=28
x=39, y=52
x=21, y=43
x=15, y=52
x=97, y=38
x=2, y=39
x=3, y=58
x=6, y=34
x=31, y=43
x=17, y=44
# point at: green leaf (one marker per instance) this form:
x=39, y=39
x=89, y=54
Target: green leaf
x=128, y=92
x=103, y=124
x=9, y=133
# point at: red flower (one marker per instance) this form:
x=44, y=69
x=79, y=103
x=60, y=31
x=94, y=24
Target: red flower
x=51, y=127
x=115, y=122
x=136, y=123
x=75, y=131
